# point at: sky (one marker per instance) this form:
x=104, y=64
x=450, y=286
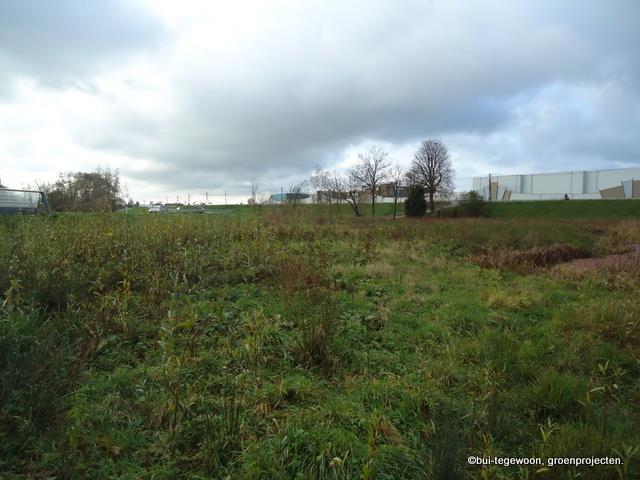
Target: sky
x=187, y=97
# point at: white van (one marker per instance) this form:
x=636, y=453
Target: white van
x=158, y=209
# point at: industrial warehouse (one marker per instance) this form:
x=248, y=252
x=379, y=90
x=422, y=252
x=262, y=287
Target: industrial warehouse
x=580, y=184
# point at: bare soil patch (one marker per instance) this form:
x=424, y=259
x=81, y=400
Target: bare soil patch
x=524, y=261
x=621, y=262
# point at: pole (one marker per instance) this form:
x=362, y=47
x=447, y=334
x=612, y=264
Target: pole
x=225, y=199
x=489, y=187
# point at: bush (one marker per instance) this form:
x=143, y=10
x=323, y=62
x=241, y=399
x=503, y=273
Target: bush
x=415, y=205
x=471, y=205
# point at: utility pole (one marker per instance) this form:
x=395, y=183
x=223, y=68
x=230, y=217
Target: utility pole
x=489, y=187
x=225, y=199
x=206, y=197
x=281, y=196
x=188, y=199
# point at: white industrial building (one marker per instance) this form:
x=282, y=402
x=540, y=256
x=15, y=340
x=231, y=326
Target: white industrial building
x=580, y=184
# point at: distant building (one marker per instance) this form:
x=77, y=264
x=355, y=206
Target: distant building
x=385, y=193
x=580, y=184
x=289, y=197
x=327, y=196
x=385, y=190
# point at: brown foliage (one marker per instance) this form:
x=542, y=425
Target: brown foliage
x=610, y=271
x=524, y=261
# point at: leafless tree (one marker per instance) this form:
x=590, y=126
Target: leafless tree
x=432, y=168
x=322, y=181
x=296, y=192
x=337, y=188
x=348, y=189
x=254, y=192
x=371, y=170
x=397, y=177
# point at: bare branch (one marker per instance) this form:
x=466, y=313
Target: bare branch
x=432, y=168
x=371, y=170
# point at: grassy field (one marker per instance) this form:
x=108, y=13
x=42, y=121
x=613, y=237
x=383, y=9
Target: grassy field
x=557, y=209
x=382, y=209
x=544, y=209
x=298, y=343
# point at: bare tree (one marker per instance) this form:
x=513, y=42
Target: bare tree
x=296, y=194
x=254, y=192
x=347, y=187
x=323, y=181
x=432, y=168
x=371, y=170
x=397, y=176
x=338, y=188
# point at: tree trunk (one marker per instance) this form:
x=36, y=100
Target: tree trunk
x=354, y=205
x=395, y=206
x=431, y=206
x=356, y=209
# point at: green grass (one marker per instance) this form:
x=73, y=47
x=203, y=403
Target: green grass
x=337, y=210
x=565, y=209
x=303, y=343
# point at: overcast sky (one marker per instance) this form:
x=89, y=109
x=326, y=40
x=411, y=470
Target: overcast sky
x=198, y=96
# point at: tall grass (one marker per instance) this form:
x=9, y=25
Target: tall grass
x=308, y=345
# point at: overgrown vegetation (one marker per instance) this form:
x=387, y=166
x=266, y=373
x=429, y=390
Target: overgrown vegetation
x=304, y=344
x=415, y=205
x=471, y=205
x=527, y=260
x=98, y=191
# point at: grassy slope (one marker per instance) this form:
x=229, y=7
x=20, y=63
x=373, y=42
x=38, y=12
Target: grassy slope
x=382, y=209
x=571, y=209
x=295, y=347
x=547, y=209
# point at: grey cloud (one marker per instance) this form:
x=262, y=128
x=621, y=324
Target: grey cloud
x=60, y=42
x=541, y=86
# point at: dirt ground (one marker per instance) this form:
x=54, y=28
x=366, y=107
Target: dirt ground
x=609, y=262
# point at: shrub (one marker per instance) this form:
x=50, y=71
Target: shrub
x=415, y=205
x=471, y=205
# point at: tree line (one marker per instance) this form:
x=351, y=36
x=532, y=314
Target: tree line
x=99, y=191
x=430, y=174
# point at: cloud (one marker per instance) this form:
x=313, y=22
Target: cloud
x=65, y=41
x=217, y=95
